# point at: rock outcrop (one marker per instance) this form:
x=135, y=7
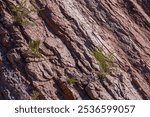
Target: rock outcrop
x=70, y=30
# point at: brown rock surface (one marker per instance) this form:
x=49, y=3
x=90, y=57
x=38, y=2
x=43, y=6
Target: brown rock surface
x=70, y=30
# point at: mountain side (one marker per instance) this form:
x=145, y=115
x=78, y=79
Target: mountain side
x=61, y=49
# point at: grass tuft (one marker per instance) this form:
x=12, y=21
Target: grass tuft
x=72, y=81
x=21, y=13
x=35, y=95
x=106, y=62
x=34, y=46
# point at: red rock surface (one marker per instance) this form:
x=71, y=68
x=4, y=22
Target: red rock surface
x=70, y=30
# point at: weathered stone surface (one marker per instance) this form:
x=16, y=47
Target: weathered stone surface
x=69, y=31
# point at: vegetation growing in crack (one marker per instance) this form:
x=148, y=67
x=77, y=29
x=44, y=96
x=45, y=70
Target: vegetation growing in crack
x=33, y=47
x=72, y=81
x=106, y=62
x=21, y=13
x=35, y=95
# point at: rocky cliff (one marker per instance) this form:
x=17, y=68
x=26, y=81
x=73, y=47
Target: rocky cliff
x=62, y=64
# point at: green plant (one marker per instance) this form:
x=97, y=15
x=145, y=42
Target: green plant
x=21, y=13
x=72, y=81
x=34, y=46
x=35, y=95
x=106, y=62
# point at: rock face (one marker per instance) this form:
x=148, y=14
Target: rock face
x=70, y=30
